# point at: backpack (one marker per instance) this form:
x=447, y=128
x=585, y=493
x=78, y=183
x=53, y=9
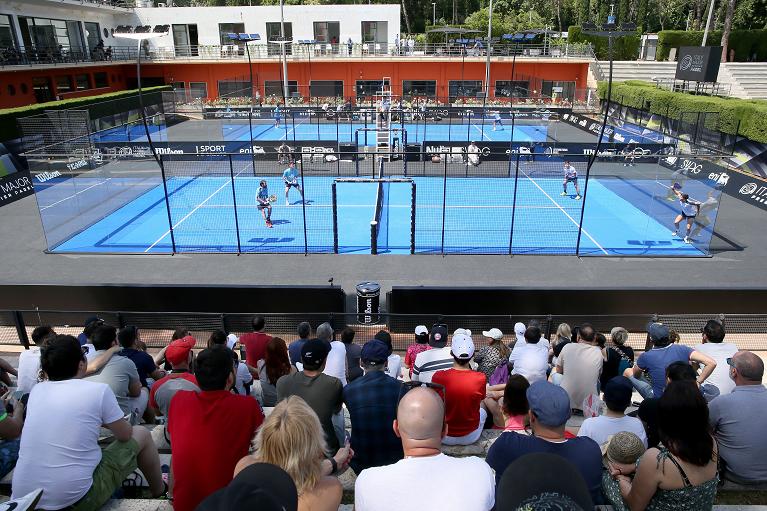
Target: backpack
x=500, y=374
x=624, y=363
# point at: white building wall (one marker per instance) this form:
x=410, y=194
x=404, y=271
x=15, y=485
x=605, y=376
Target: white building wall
x=350, y=18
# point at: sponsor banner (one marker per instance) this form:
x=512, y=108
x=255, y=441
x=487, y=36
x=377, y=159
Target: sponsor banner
x=619, y=135
x=698, y=63
x=15, y=186
x=498, y=151
x=141, y=150
x=745, y=187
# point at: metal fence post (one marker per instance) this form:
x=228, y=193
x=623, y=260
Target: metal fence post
x=334, y=201
x=167, y=204
x=412, y=218
x=444, y=205
x=21, y=330
x=303, y=206
x=234, y=198
x=513, y=203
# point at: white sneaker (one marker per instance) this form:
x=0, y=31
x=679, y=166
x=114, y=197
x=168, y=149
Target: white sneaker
x=577, y=197
x=563, y=194
x=687, y=240
x=287, y=203
x=675, y=233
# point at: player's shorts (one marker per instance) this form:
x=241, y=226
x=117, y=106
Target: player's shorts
x=573, y=179
x=684, y=215
x=263, y=206
x=291, y=185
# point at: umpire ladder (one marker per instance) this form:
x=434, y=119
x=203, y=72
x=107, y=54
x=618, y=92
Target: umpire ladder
x=383, y=119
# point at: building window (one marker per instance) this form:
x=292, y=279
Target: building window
x=100, y=80
x=426, y=88
x=7, y=39
x=43, y=89
x=465, y=88
x=82, y=82
x=375, y=32
x=327, y=32
x=366, y=88
x=198, y=90
x=274, y=88
x=505, y=88
x=233, y=89
x=63, y=84
x=326, y=88
x=224, y=29
x=93, y=35
x=559, y=90
x=273, y=33
x=24, y=88
x=185, y=40
x=11, y=89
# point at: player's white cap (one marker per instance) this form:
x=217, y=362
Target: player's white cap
x=231, y=340
x=421, y=330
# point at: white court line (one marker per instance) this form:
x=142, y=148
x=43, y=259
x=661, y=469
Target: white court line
x=74, y=195
x=566, y=213
x=482, y=133
x=408, y=206
x=227, y=183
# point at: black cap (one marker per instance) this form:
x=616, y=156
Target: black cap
x=314, y=351
x=438, y=336
x=527, y=484
x=259, y=486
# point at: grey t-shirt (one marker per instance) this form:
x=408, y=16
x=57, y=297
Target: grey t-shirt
x=168, y=389
x=322, y=393
x=736, y=419
x=118, y=373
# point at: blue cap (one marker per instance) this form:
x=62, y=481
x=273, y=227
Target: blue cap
x=374, y=352
x=550, y=403
x=657, y=331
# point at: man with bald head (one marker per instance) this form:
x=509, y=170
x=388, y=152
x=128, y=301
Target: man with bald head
x=467, y=484
x=737, y=420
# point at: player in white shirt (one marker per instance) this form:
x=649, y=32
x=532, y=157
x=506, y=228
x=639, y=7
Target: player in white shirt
x=571, y=176
x=473, y=154
x=689, y=210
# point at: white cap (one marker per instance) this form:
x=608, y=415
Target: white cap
x=462, y=331
x=493, y=333
x=231, y=340
x=519, y=331
x=462, y=347
x=421, y=329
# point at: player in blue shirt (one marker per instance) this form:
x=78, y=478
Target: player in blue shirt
x=290, y=176
x=264, y=205
x=689, y=210
x=277, y=116
x=571, y=176
x=497, y=122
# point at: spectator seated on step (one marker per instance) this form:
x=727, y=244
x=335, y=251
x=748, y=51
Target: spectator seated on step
x=180, y=356
x=617, y=397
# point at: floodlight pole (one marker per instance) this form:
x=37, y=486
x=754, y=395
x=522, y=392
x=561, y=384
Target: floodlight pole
x=284, y=50
x=489, y=39
x=708, y=22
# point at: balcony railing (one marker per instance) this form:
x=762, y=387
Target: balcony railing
x=10, y=56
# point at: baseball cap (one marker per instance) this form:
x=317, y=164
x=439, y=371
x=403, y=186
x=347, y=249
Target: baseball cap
x=618, y=392
x=438, y=336
x=493, y=333
x=519, y=331
x=314, y=351
x=92, y=319
x=374, y=352
x=259, y=486
x=462, y=331
x=462, y=347
x=231, y=341
x=657, y=331
x=527, y=484
x=178, y=350
x=421, y=330
x=550, y=403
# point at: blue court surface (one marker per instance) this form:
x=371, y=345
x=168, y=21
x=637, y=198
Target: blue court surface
x=621, y=217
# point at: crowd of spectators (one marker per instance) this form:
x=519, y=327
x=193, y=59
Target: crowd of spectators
x=659, y=431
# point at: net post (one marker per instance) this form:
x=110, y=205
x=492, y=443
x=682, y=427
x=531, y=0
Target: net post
x=334, y=201
x=167, y=202
x=444, y=205
x=374, y=237
x=234, y=200
x=303, y=206
x=514, y=202
x=412, y=217
x=357, y=155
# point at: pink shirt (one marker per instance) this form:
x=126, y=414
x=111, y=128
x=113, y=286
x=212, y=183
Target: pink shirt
x=412, y=351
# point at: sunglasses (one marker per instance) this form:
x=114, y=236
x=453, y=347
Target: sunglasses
x=84, y=350
x=731, y=363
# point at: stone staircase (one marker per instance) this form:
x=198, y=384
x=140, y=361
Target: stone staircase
x=748, y=79
x=644, y=70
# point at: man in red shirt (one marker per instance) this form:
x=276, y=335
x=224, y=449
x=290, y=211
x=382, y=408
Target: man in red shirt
x=255, y=345
x=179, y=355
x=465, y=389
x=210, y=431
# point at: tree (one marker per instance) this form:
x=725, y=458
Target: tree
x=727, y=27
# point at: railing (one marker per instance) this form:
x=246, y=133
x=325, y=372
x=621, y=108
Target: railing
x=10, y=56
x=746, y=330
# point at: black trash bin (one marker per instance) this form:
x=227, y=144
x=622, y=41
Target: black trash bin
x=368, y=302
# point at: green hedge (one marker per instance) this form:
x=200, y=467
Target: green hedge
x=751, y=114
x=98, y=106
x=624, y=48
x=744, y=42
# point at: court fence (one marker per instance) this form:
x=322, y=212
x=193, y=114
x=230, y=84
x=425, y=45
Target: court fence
x=156, y=328
x=451, y=199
